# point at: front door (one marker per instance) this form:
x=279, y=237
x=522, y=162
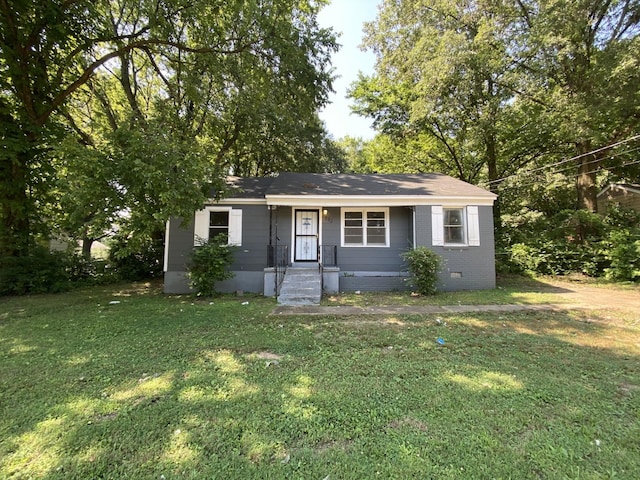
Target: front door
x=306, y=241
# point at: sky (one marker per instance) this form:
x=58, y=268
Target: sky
x=347, y=18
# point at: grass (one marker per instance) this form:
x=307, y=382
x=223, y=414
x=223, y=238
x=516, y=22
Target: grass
x=172, y=387
x=511, y=289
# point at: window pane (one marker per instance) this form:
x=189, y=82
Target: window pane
x=215, y=231
x=376, y=236
x=365, y=228
x=353, y=236
x=453, y=216
x=219, y=219
x=453, y=234
x=375, y=219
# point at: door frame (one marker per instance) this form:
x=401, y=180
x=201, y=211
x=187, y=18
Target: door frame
x=294, y=225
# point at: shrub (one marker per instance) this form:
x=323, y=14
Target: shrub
x=556, y=257
x=143, y=263
x=623, y=252
x=424, y=266
x=209, y=264
x=41, y=271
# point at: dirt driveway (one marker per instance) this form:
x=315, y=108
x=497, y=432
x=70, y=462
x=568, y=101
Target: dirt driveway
x=594, y=296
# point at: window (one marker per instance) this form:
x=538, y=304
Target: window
x=455, y=226
x=353, y=228
x=213, y=221
x=365, y=228
x=218, y=224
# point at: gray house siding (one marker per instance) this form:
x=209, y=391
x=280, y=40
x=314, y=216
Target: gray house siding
x=250, y=258
x=463, y=268
x=282, y=229
x=383, y=259
x=377, y=268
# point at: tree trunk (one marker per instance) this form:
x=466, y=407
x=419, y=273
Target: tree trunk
x=15, y=204
x=588, y=166
x=87, y=243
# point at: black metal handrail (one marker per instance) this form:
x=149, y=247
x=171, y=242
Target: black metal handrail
x=277, y=255
x=278, y=259
x=329, y=255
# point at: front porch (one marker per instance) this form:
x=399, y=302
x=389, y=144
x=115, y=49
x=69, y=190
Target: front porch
x=300, y=282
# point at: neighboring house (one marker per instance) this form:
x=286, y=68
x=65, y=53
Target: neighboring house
x=352, y=228
x=625, y=194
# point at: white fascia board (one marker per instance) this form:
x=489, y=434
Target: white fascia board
x=237, y=201
x=605, y=190
x=376, y=201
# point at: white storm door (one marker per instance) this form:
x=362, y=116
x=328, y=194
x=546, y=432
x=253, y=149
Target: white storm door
x=306, y=237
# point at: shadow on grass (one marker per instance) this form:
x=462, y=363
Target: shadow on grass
x=157, y=386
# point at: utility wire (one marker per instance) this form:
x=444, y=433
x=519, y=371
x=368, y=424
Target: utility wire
x=597, y=160
x=561, y=162
x=523, y=185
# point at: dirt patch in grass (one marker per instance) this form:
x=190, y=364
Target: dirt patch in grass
x=408, y=422
x=627, y=389
x=264, y=356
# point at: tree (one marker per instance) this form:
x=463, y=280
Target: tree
x=501, y=86
x=581, y=61
x=445, y=78
x=179, y=60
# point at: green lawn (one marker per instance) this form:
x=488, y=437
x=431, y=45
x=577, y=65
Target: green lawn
x=172, y=387
x=511, y=289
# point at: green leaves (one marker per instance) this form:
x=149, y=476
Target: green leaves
x=164, y=97
x=209, y=264
x=424, y=267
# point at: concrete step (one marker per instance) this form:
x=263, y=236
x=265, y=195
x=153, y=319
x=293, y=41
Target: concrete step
x=301, y=286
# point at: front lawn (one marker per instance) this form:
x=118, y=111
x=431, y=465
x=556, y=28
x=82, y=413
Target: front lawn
x=128, y=383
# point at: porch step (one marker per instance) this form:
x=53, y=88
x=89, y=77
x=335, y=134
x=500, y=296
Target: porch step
x=301, y=286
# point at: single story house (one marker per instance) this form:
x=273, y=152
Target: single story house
x=626, y=194
x=352, y=228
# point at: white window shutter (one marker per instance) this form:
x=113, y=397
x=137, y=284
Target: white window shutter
x=235, y=227
x=201, y=227
x=437, y=226
x=473, y=226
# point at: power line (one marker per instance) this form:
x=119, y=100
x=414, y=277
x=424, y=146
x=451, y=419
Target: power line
x=561, y=162
x=523, y=185
x=598, y=160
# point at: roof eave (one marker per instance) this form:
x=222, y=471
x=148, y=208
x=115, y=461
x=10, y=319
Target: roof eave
x=378, y=200
x=626, y=188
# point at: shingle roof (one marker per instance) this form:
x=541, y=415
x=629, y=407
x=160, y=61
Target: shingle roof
x=248, y=187
x=323, y=184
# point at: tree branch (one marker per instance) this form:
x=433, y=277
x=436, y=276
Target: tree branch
x=59, y=99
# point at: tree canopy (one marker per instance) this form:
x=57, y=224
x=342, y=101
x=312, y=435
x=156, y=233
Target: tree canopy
x=135, y=105
x=495, y=87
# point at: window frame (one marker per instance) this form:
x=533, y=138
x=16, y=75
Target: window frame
x=365, y=227
x=202, y=224
x=462, y=226
x=471, y=224
x=221, y=229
